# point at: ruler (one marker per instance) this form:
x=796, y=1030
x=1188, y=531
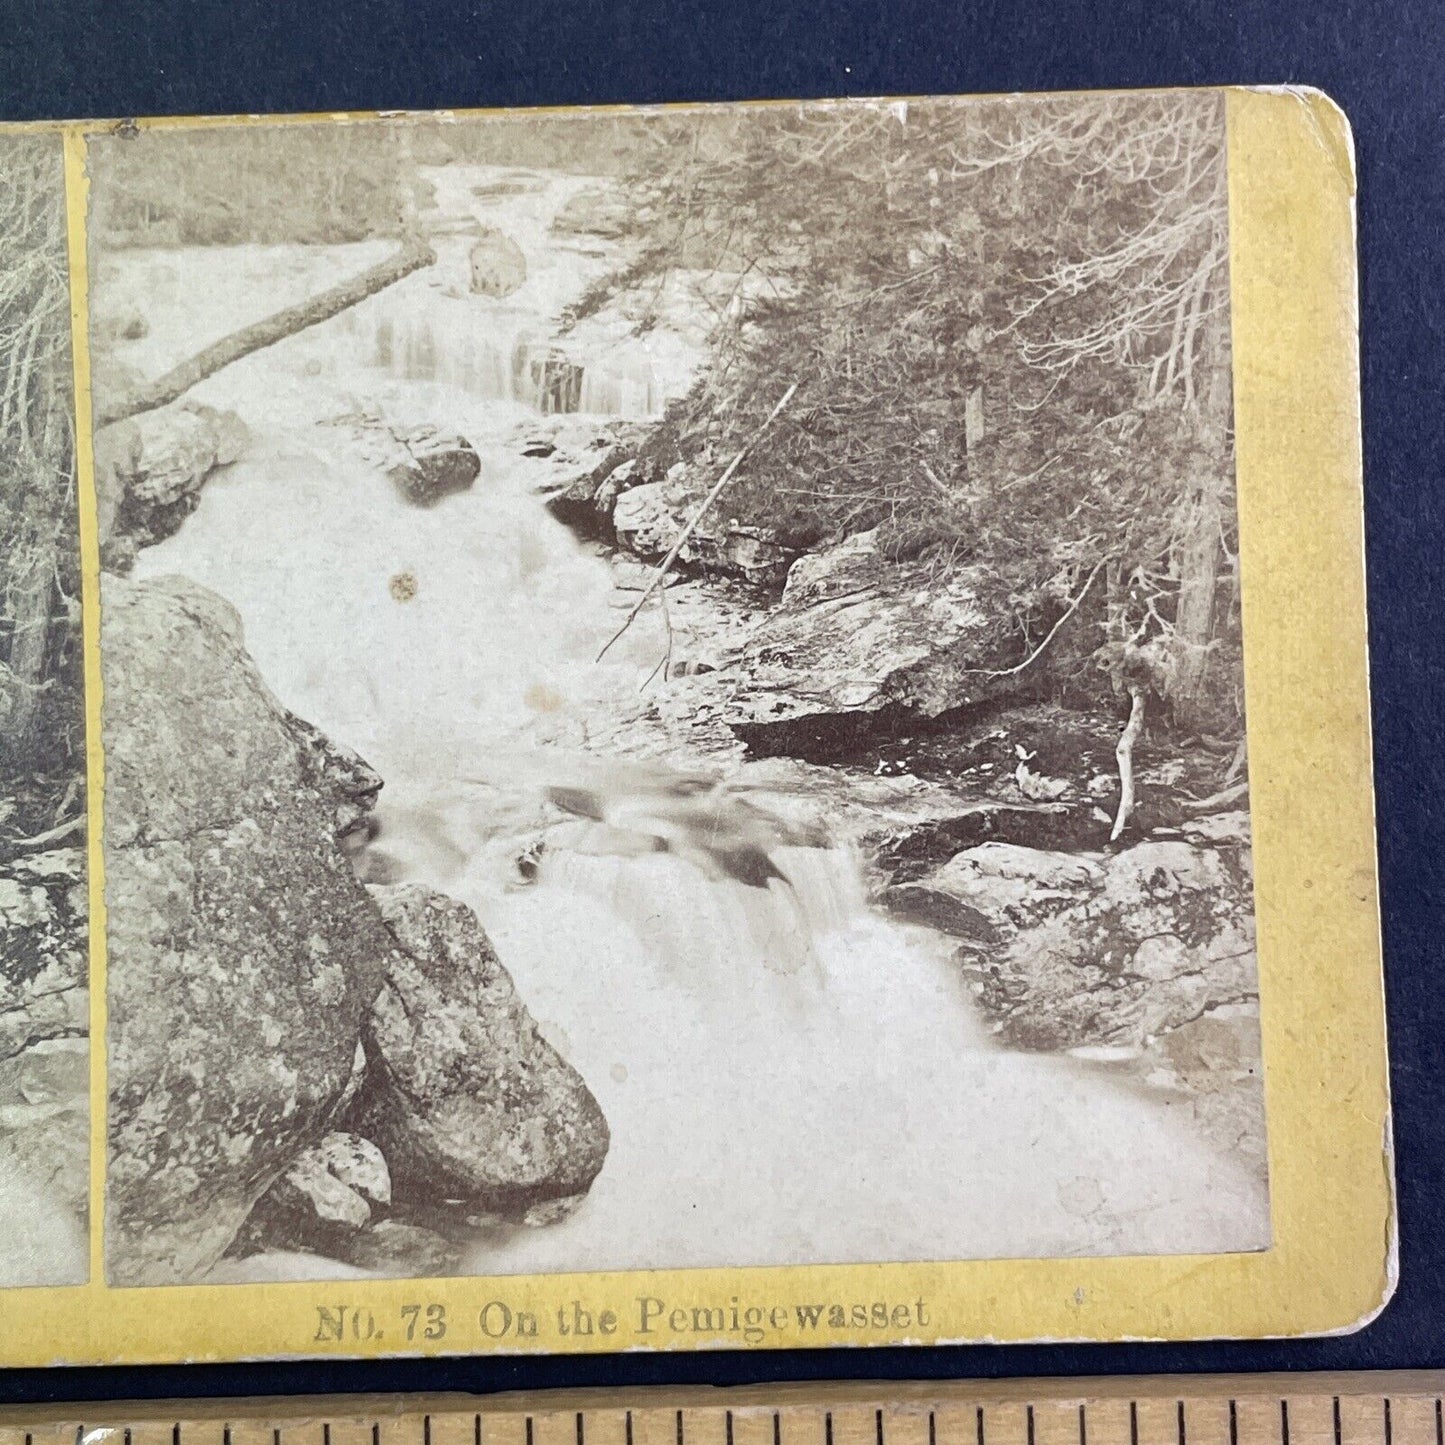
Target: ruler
x=1297, y=1409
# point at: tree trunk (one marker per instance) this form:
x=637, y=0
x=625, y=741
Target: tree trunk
x=1194, y=618
x=277, y=327
x=29, y=595
x=973, y=418
x=1200, y=551
x=1116, y=617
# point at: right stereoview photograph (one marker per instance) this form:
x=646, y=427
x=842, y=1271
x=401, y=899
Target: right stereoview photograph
x=673, y=691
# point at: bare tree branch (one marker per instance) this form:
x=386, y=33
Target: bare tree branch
x=1052, y=633
x=665, y=566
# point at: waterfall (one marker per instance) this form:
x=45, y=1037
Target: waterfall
x=500, y=357
x=431, y=328
x=719, y=933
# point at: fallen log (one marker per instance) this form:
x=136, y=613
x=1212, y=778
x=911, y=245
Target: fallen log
x=267, y=332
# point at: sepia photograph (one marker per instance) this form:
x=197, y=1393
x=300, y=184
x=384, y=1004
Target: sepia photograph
x=44, y=929
x=673, y=692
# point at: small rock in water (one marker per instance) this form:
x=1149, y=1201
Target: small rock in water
x=397, y=1249
x=554, y=1211
x=330, y=1186
x=498, y=264
x=436, y=464
x=593, y=212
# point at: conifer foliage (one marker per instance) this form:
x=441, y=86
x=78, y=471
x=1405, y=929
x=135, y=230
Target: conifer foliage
x=41, y=726
x=1008, y=326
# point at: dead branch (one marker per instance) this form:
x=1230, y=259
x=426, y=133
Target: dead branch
x=1052, y=633
x=51, y=835
x=664, y=665
x=1236, y=763
x=665, y=566
x=274, y=328
x=932, y=477
x=1220, y=799
x=1124, y=753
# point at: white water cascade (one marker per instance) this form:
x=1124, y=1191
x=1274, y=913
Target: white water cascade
x=788, y=1076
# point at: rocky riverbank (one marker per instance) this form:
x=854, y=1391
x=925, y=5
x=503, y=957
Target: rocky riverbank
x=44, y=1064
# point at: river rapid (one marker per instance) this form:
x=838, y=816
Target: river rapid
x=788, y=1075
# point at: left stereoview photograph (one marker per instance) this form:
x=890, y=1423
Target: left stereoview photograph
x=44, y=932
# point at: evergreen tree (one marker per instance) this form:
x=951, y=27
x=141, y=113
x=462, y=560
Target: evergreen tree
x=1008, y=325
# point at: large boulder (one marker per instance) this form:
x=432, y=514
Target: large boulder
x=857, y=633
x=498, y=264
x=1075, y=951
x=149, y=471
x=649, y=519
x=244, y=955
x=464, y=1097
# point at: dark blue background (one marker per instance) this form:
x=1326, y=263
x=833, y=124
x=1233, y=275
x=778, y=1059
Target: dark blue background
x=1383, y=62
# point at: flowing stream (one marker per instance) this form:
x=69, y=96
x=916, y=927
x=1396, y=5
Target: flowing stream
x=788, y=1075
